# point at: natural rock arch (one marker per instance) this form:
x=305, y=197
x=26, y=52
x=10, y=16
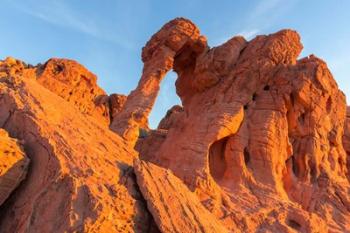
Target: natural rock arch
x=169, y=48
x=268, y=107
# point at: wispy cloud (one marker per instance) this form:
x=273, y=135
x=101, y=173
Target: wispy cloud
x=264, y=6
x=248, y=34
x=259, y=18
x=60, y=14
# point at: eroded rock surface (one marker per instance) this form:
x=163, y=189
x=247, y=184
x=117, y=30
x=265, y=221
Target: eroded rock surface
x=80, y=177
x=346, y=139
x=258, y=145
x=176, y=38
x=74, y=83
x=13, y=165
x=174, y=207
x=260, y=133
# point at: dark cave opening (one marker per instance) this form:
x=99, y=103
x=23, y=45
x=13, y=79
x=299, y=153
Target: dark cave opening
x=217, y=160
x=246, y=156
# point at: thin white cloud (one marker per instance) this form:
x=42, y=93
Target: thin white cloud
x=259, y=18
x=264, y=7
x=60, y=14
x=248, y=34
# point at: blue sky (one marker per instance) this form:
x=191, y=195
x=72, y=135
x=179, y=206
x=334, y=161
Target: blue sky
x=106, y=36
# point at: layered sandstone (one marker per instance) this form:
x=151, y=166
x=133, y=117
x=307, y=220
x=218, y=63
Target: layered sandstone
x=13, y=165
x=158, y=57
x=259, y=138
x=174, y=207
x=74, y=83
x=346, y=139
x=80, y=177
x=259, y=144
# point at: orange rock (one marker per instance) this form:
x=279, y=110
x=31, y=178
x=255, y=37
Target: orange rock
x=260, y=141
x=80, y=177
x=116, y=103
x=151, y=142
x=13, y=165
x=346, y=139
x=174, y=207
x=75, y=84
x=259, y=129
x=175, y=38
x=170, y=118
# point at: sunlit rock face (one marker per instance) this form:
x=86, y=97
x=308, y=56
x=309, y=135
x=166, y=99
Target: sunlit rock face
x=346, y=139
x=259, y=134
x=259, y=143
x=174, y=207
x=80, y=177
x=13, y=165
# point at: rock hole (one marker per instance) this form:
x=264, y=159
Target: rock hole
x=313, y=172
x=291, y=97
x=254, y=97
x=58, y=69
x=329, y=105
x=71, y=93
x=293, y=224
x=217, y=161
x=266, y=88
x=245, y=107
x=341, y=163
x=332, y=138
x=246, y=156
x=295, y=167
x=84, y=77
x=301, y=118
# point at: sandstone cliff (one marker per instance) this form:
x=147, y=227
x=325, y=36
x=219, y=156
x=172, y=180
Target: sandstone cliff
x=259, y=144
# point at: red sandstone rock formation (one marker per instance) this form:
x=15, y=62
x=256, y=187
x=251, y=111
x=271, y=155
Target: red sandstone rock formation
x=260, y=141
x=80, y=177
x=174, y=40
x=346, y=139
x=13, y=165
x=260, y=135
x=75, y=84
x=174, y=207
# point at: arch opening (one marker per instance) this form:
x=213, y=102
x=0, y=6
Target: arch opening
x=166, y=98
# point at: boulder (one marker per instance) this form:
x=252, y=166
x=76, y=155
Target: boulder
x=74, y=83
x=174, y=207
x=13, y=165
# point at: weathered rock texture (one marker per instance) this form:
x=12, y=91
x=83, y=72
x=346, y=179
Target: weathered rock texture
x=80, y=177
x=158, y=56
x=74, y=83
x=13, y=165
x=346, y=139
x=259, y=138
x=175, y=208
x=260, y=141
